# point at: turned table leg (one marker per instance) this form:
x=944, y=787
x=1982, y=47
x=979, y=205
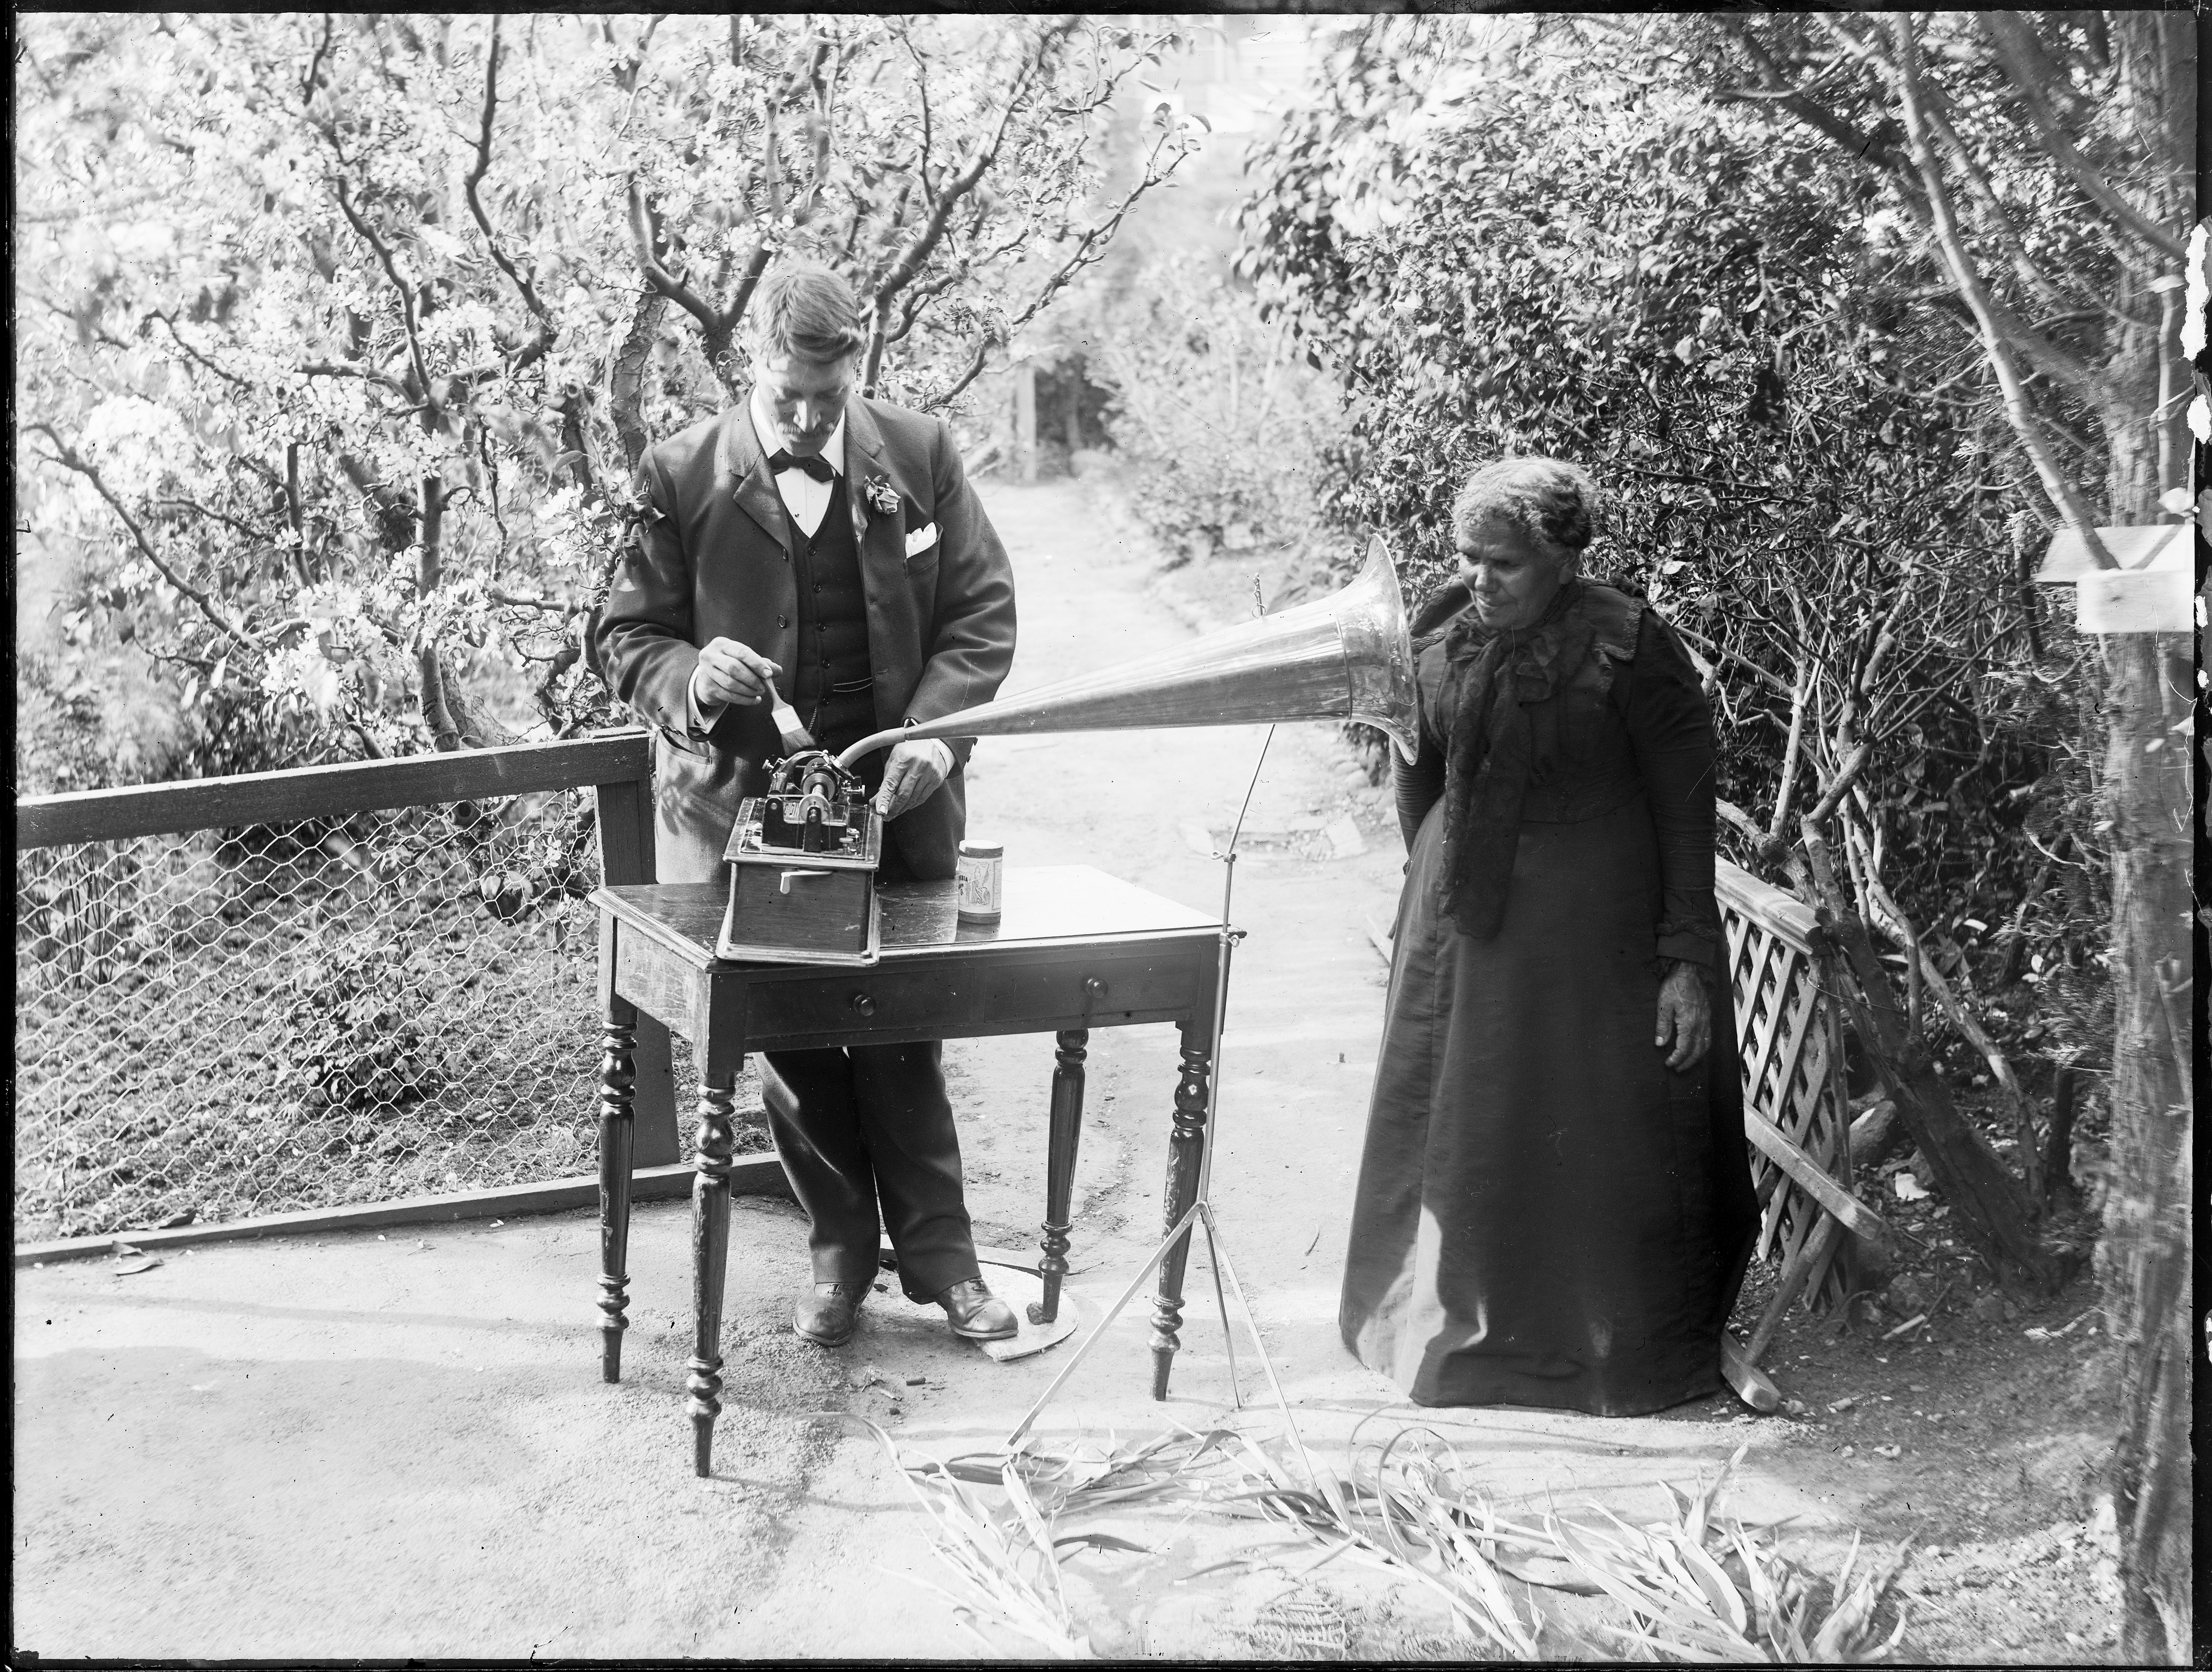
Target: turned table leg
x=1185, y=1148
x=1060, y=1166
x=714, y=1142
x=617, y=1086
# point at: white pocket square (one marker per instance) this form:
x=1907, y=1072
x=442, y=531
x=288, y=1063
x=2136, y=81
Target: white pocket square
x=921, y=539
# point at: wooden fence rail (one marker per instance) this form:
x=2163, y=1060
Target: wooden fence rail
x=612, y=762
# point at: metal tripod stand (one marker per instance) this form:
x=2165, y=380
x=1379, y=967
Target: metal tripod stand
x=1201, y=1211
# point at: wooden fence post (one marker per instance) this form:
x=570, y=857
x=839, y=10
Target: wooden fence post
x=625, y=827
x=1025, y=415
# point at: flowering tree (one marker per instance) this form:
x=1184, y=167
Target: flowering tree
x=340, y=334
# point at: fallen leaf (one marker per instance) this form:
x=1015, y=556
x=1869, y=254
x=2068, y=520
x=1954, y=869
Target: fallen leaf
x=1103, y=1541
x=144, y=1262
x=1892, y=1452
x=176, y=1221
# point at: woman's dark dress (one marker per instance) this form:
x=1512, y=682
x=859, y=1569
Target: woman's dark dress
x=1546, y=1215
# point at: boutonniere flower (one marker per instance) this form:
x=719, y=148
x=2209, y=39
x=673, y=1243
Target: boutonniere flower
x=882, y=497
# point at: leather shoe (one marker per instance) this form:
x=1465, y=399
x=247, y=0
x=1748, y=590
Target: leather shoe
x=977, y=1314
x=825, y=1317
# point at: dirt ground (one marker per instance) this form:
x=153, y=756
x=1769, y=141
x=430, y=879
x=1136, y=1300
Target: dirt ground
x=398, y=1444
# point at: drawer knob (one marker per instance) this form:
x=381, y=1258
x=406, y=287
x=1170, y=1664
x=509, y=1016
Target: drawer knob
x=863, y=1004
x=1094, y=987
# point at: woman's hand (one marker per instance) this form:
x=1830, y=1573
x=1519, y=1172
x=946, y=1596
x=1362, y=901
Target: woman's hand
x=1686, y=1017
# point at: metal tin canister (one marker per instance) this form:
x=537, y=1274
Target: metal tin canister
x=982, y=873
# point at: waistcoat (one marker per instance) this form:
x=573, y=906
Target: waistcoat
x=832, y=681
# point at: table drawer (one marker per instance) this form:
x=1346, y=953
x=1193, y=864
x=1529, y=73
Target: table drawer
x=953, y=999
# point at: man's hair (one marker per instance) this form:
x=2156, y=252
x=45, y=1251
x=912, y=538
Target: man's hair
x=804, y=311
x=1554, y=503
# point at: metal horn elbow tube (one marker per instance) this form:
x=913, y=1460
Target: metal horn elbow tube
x=875, y=740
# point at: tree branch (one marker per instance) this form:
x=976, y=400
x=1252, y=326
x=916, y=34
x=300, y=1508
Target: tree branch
x=340, y=369
x=194, y=354
x=1839, y=787
x=396, y=514
x=431, y=408
x=1995, y=342
x=921, y=88
x=1994, y=214
x=69, y=459
x=1874, y=147
x=2005, y=29
x=668, y=284
x=974, y=369
x=315, y=64
x=430, y=555
x=1091, y=245
x=626, y=377
x=236, y=524
x=924, y=243
x=546, y=331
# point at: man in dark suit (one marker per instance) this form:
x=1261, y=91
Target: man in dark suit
x=828, y=547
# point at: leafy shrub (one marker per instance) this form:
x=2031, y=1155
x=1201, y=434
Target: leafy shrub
x=1585, y=257
x=352, y=1039
x=1219, y=425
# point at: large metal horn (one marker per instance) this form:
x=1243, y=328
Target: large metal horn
x=1343, y=657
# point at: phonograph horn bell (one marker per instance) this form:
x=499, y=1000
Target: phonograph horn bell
x=1344, y=657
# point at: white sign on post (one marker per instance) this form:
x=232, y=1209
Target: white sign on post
x=2133, y=601
x=2152, y=591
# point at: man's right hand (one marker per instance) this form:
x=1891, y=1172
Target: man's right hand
x=730, y=672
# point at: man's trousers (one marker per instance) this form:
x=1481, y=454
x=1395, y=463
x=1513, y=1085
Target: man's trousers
x=865, y=1135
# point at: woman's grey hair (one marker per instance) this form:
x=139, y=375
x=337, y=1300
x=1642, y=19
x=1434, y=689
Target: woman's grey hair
x=1555, y=504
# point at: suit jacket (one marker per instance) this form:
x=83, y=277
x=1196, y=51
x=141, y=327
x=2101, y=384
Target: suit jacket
x=716, y=559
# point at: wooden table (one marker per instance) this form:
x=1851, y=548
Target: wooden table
x=1075, y=950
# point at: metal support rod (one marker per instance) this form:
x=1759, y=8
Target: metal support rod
x=1252, y=1322
x=1221, y=1302
x=1098, y=1333
x=1200, y=1209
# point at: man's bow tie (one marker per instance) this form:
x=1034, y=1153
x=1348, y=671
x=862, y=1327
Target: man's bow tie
x=814, y=464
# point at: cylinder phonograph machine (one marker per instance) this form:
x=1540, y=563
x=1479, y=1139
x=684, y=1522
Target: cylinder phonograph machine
x=803, y=857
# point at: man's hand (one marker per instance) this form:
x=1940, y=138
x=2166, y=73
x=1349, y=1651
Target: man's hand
x=730, y=672
x=912, y=774
x=1686, y=1017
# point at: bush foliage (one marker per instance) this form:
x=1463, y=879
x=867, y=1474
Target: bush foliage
x=1579, y=254
x=1222, y=424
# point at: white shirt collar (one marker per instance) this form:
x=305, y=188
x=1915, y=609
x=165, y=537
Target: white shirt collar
x=764, y=433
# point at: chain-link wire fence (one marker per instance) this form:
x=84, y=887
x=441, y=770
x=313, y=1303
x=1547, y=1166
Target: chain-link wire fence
x=222, y=1024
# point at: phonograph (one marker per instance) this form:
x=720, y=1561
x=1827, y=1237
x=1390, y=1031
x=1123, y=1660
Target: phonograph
x=803, y=856
x=803, y=862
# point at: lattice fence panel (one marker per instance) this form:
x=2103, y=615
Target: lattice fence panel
x=1787, y=1034
x=228, y=1023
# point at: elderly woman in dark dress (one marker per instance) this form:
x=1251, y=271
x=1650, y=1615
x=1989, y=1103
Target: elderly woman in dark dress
x=1554, y=1208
